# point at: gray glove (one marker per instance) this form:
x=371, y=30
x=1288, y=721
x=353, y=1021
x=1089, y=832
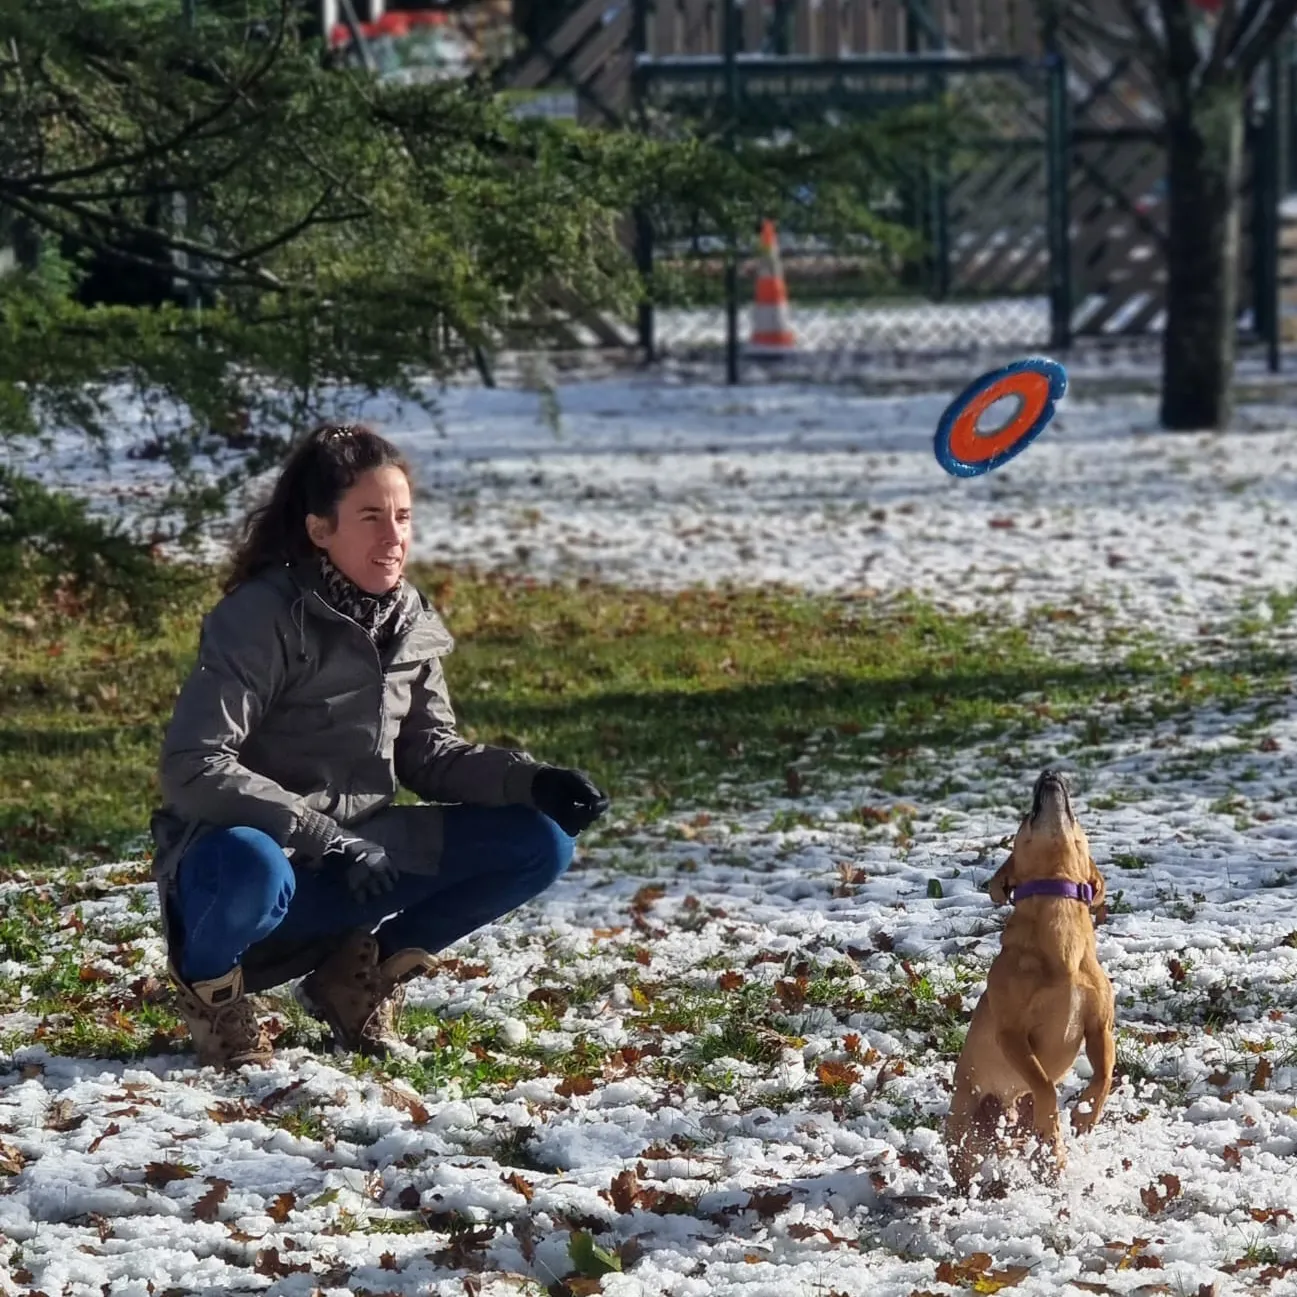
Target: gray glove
x=367, y=871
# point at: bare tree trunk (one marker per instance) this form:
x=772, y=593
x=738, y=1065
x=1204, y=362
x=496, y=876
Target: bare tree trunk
x=1204, y=173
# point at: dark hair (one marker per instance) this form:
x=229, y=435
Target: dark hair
x=321, y=469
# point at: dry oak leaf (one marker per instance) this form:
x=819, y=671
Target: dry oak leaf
x=12, y=1159
x=517, y=1183
x=158, y=1174
x=270, y=1264
x=61, y=1116
x=206, y=1207
x=769, y=1204
x=623, y=1192
x=279, y=1210
x=1156, y=1200
x=829, y=1073
x=406, y=1103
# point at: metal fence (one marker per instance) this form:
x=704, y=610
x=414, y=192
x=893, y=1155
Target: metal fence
x=1044, y=223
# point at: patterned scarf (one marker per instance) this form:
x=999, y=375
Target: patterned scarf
x=377, y=615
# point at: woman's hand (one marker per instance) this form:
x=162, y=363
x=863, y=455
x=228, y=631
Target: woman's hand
x=568, y=797
x=366, y=869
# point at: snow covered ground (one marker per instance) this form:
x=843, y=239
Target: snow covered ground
x=660, y=484
x=720, y=1049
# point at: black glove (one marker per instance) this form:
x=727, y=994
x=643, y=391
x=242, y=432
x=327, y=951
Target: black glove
x=367, y=870
x=568, y=798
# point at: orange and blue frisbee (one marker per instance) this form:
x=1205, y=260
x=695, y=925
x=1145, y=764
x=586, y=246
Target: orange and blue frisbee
x=963, y=450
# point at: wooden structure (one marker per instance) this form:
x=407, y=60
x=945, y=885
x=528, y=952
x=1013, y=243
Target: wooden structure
x=1005, y=229
x=592, y=49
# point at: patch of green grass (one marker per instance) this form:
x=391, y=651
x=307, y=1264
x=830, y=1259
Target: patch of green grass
x=1129, y=861
x=395, y=1225
x=464, y=1050
x=658, y=695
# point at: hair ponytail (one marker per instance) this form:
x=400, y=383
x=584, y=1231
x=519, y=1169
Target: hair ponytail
x=319, y=471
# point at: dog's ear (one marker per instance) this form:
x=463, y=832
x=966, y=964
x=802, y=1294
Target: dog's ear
x=1100, y=887
x=1001, y=883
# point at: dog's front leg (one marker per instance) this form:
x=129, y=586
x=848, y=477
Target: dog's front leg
x=1102, y=1054
x=1017, y=1051
x=963, y=1148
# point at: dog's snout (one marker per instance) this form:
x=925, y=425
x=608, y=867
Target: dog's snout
x=1051, y=787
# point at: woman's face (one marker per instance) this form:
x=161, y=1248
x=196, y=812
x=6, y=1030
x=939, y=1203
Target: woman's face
x=370, y=538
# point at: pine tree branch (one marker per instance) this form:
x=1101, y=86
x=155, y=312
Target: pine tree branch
x=237, y=275
x=200, y=129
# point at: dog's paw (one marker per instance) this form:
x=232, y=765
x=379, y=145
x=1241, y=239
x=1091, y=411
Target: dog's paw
x=1085, y=1112
x=1048, y=1160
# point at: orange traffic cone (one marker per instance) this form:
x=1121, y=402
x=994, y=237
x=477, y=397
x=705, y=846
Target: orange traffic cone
x=772, y=331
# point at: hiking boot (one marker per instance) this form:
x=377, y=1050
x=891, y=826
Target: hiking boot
x=359, y=996
x=224, y=1028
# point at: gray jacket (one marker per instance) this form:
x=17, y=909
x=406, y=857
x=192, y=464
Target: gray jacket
x=291, y=722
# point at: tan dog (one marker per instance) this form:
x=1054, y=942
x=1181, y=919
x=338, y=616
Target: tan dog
x=1045, y=996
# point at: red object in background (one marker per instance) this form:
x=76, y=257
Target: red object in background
x=395, y=23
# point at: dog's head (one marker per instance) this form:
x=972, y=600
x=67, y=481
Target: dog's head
x=1050, y=843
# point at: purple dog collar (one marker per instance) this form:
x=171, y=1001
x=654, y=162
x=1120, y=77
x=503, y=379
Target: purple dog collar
x=1083, y=892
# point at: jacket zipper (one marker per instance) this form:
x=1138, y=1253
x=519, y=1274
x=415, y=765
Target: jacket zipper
x=378, y=661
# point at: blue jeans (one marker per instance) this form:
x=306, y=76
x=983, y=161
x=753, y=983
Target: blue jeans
x=236, y=887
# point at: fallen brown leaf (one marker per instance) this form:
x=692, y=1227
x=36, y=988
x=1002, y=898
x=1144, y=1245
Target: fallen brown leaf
x=280, y=1209
x=158, y=1174
x=406, y=1103
x=205, y=1209
x=107, y=1133
x=769, y=1204
x=1154, y=1201
x=647, y=897
x=524, y=1187
x=624, y=1192
x=270, y=1264
x=278, y=1096
x=1266, y=1215
x=829, y=1073
x=61, y=1116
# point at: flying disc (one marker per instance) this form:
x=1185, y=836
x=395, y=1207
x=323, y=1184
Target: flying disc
x=964, y=450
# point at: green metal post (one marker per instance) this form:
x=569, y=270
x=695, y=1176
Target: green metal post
x=939, y=176
x=781, y=25
x=643, y=223
x=731, y=252
x=1268, y=196
x=1058, y=214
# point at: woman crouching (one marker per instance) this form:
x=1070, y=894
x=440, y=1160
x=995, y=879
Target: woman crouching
x=317, y=693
